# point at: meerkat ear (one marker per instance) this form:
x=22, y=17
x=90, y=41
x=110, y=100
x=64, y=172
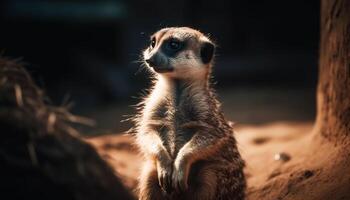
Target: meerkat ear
x=207, y=51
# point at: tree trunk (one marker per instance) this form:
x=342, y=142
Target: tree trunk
x=319, y=166
x=333, y=119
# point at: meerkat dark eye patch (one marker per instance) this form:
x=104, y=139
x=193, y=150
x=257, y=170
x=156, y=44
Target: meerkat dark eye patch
x=172, y=46
x=207, y=52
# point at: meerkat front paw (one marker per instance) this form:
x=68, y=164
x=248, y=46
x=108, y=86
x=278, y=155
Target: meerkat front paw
x=180, y=175
x=164, y=176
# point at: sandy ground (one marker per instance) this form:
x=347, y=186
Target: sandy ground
x=283, y=161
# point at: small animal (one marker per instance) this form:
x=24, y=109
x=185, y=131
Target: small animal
x=189, y=148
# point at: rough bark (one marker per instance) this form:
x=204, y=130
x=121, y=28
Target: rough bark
x=333, y=119
x=41, y=156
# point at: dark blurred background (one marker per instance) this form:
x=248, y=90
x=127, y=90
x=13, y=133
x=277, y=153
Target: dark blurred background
x=84, y=51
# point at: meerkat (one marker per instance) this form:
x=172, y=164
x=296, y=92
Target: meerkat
x=189, y=147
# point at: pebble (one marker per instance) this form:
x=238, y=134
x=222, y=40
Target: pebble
x=284, y=157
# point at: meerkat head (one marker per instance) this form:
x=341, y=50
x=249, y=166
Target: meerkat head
x=179, y=52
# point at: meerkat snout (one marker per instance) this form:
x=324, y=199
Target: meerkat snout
x=179, y=52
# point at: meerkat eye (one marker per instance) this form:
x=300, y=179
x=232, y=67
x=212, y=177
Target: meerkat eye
x=153, y=42
x=174, y=45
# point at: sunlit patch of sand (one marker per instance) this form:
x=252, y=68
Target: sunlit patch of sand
x=283, y=161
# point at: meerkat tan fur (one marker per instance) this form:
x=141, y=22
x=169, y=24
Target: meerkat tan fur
x=189, y=147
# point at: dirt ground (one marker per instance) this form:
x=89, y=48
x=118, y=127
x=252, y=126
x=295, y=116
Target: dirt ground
x=284, y=160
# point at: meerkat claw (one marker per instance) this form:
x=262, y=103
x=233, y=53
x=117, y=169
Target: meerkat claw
x=164, y=179
x=179, y=180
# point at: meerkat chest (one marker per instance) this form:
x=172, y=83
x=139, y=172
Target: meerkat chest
x=171, y=116
x=182, y=107
x=170, y=107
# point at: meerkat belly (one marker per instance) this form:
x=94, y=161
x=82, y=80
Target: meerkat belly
x=172, y=126
x=180, y=107
x=183, y=133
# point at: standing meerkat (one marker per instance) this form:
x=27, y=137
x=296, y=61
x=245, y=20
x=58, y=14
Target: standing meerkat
x=189, y=147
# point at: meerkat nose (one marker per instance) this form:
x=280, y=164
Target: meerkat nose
x=151, y=61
